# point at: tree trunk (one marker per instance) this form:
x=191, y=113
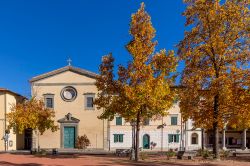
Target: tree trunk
x=215, y=128
x=137, y=137
x=202, y=139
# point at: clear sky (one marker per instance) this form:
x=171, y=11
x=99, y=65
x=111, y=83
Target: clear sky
x=39, y=36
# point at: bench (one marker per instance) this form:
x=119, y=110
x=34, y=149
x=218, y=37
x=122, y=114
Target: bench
x=247, y=153
x=189, y=154
x=33, y=150
x=122, y=152
x=54, y=151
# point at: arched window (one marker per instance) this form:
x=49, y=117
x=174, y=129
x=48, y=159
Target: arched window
x=194, y=138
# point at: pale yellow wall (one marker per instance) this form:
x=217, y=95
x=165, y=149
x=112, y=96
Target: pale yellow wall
x=7, y=100
x=89, y=123
x=11, y=100
x=67, y=76
x=2, y=111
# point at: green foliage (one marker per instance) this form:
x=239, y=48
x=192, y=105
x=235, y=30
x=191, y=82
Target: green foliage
x=82, y=142
x=199, y=152
x=224, y=153
x=205, y=153
x=143, y=155
x=43, y=152
x=170, y=153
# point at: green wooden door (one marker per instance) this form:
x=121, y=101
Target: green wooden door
x=69, y=137
x=146, y=141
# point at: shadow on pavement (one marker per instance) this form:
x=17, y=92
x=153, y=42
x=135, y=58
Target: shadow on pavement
x=5, y=163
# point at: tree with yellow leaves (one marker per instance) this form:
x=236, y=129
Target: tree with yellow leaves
x=142, y=90
x=31, y=114
x=216, y=75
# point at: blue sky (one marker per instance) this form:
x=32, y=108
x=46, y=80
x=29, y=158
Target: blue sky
x=39, y=36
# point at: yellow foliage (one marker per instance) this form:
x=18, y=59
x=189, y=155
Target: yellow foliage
x=142, y=90
x=31, y=114
x=217, y=58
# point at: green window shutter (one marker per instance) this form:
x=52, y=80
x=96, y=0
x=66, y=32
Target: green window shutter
x=170, y=138
x=174, y=120
x=177, y=138
x=121, y=138
x=118, y=120
x=115, y=138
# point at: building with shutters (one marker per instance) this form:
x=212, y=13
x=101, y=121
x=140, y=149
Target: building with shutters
x=163, y=134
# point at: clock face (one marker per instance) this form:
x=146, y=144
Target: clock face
x=68, y=94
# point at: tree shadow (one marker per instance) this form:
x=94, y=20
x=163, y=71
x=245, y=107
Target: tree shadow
x=5, y=163
x=112, y=160
x=239, y=158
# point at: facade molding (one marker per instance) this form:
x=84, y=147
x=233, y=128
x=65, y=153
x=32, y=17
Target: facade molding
x=63, y=84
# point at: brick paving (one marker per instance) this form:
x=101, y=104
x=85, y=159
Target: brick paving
x=106, y=160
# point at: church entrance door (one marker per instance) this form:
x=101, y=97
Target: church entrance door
x=27, y=139
x=69, y=137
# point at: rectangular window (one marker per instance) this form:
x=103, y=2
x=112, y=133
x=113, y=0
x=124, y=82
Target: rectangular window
x=118, y=138
x=174, y=120
x=49, y=102
x=89, y=101
x=118, y=121
x=146, y=122
x=173, y=138
x=194, y=140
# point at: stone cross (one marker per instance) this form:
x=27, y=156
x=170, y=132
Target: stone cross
x=69, y=62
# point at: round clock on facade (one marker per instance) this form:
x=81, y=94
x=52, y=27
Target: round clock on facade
x=68, y=93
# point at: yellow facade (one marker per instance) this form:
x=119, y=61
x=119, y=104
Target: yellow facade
x=89, y=124
x=7, y=100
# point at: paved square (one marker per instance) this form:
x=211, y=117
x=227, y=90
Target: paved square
x=104, y=160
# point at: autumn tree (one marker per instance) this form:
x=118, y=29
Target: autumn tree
x=142, y=90
x=216, y=74
x=31, y=114
x=82, y=142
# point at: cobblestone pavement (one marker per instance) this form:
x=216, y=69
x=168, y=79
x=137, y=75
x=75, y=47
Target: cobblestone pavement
x=104, y=160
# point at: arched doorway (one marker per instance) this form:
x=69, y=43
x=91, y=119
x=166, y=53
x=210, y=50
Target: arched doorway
x=146, y=141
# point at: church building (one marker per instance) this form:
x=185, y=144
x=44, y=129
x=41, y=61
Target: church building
x=70, y=92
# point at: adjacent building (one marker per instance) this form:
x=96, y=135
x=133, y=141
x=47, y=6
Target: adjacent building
x=8, y=139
